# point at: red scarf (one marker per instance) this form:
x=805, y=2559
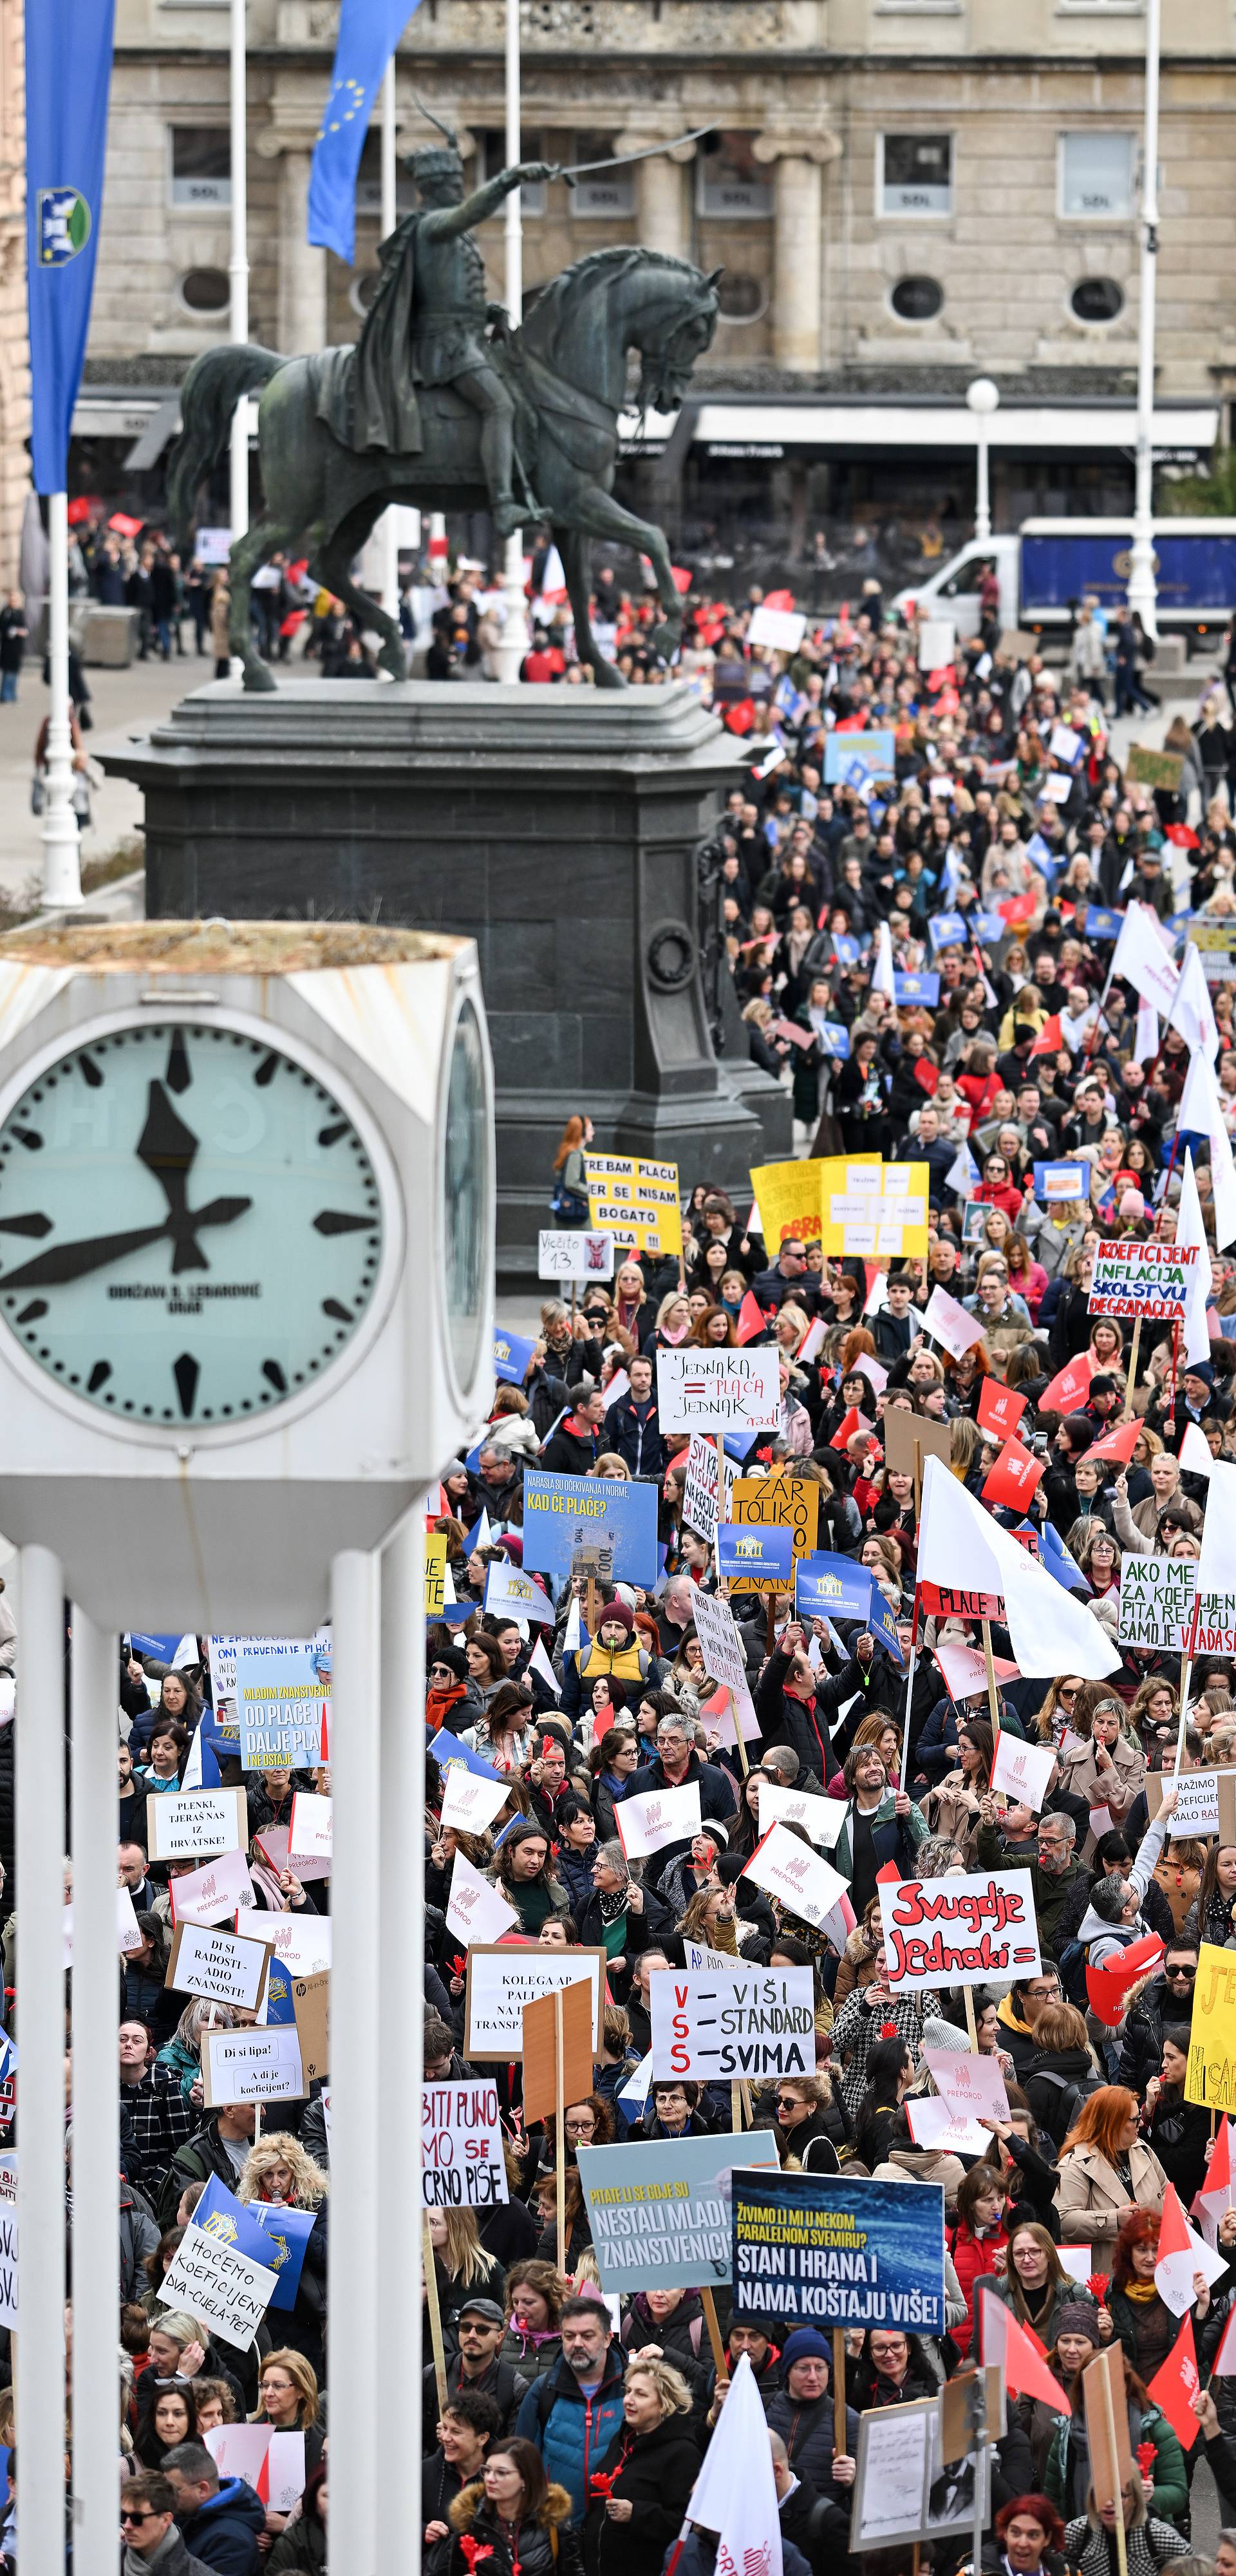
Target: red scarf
x=437, y=1703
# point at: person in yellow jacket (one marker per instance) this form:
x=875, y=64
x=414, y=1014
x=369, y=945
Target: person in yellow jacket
x=613, y=1651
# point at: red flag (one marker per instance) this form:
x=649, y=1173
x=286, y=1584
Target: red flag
x=1049, y=1040
x=1175, y=2386
x=1069, y=1387
x=1216, y=2193
x=926, y=1074
x=1018, y=2349
x=889, y=1876
x=1182, y=837
x=1000, y=1408
x=1015, y=1478
x=1108, y=1986
x=1119, y=1443
x=751, y=1317
x=851, y=1422
x=778, y=599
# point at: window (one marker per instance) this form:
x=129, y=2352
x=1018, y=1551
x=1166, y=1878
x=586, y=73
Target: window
x=606, y=192
x=369, y=180
x=731, y=181
x=914, y=174
x=741, y=299
x=917, y=299
x=206, y=290
x=491, y=158
x=1097, y=299
x=201, y=165
x=1097, y=174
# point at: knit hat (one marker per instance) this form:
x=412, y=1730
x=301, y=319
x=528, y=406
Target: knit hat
x=714, y=1829
x=1202, y=1369
x=455, y=1660
x=618, y=1613
x=942, y=2035
x=1132, y=1204
x=805, y=2344
x=1075, y=2317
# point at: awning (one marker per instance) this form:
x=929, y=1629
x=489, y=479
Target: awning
x=745, y=427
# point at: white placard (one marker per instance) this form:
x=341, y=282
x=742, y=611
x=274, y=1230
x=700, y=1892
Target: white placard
x=714, y=2025
x=128, y=1937
x=193, y=1824
x=719, y=1390
x=975, y=1930
x=461, y=2147
x=225, y=1966
x=822, y=1818
x=476, y=1911
x=1078, y=2261
x=574, y=1256
x=271, y=1843
x=1057, y=787
x=501, y=1982
x=1156, y=1600
x=661, y=1816
x=723, y=1651
x=699, y=1493
x=309, y=1834
x=971, y=2084
x=949, y=1323
x=469, y=1801
x=1022, y=1771
x=252, y=2066
x=937, y=642
x=206, y=1895
x=220, y=2287
x=1197, y=1804
x=786, y=1868
x=285, y=2471
x=781, y=628
x=932, y=2124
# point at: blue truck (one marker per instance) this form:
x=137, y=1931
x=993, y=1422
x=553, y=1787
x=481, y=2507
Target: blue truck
x=1050, y=563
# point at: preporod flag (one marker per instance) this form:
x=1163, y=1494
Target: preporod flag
x=1180, y=2255
x=1048, y=1630
x=735, y=2494
x=369, y=31
x=68, y=69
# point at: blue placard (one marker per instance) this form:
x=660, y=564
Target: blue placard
x=562, y=1513
x=663, y=2224
x=1042, y=855
x=1054, y=1182
x=816, y=2250
x=832, y=1039
x=848, y=949
x=1101, y=923
x=751, y=1553
x=988, y=925
x=512, y=1353
x=917, y=988
x=947, y=930
x=882, y=1621
x=281, y=1690
x=876, y=751
x=831, y=1587
x=275, y=2237
x=159, y=1650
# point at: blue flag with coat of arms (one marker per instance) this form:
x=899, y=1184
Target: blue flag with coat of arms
x=263, y=2231
x=68, y=71
x=369, y=31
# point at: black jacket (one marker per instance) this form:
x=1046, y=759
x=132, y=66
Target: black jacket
x=654, y=2472
x=500, y=2380
x=807, y=2432
x=636, y=1439
x=223, y=2532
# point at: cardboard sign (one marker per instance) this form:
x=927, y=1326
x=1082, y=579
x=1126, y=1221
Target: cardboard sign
x=476, y=1909
x=577, y=1257
x=785, y=1868
x=634, y=1200
x=661, y=2220
x=220, y=2287
x=817, y=2250
x=189, y=1824
x=711, y=2025
x=469, y=1803
x=776, y=1502
x=218, y=1964
x=462, y=2165
x=1145, y=768
x=311, y=2013
x=223, y=1888
x=822, y=1818
x=565, y=1513
x=878, y=1210
x=1148, y=1279
x=701, y=1497
x=1205, y=1803
x=1211, y=2077
x=1107, y=2414
x=1156, y=1600
x=250, y=2066
x=539, y=2051
x=1022, y=1771
x=309, y=1833
x=910, y=1438
x=500, y=1981
x=737, y=1390
x=647, y=1824
x=977, y=1929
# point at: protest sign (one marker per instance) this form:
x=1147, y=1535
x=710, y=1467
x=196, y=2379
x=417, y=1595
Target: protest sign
x=1144, y=768
x=725, y=1656
x=461, y=2147
x=755, y=1556
x=661, y=2220
x=190, y=1824
x=1156, y=1599
x=702, y=1504
x=876, y=1209
x=469, y=1803
x=719, y=1390
x=270, y=1845
x=875, y=751
x=776, y=1502
x=228, y=1969
x=964, y=1670
x=1000, y=1408
x=310, y=1829
x=508, y=1588
x=282, y=1690
x=970, y=2084
x=272, y=2463
x=1015, y=1478
x=822, y=1818
x=435, y=1573
x=820, y=2250
x=892, y=2475
x=713, y=2025
x=501, y=1980
x=790, y=1202
x=1216, y=1624
x=311, y=2015
x=251, y=2066
x=220, y=2287
x=558, y=2023
x=947, y=1322
x=206, y=1895
x=912, y=1438
x=1022, y=1771
x=1056, y=1183
x=1205, y=1803
x=634, y=1200
x=647, y=1824
x=831, y=1587
x=934, y=2123
x=1106, y=2407
x=512, y=1356
x=267, y=2232
x=1211, y=2076
x=476, y=1911
x=576, y=1257
x=563, y=1513
x=971, y=1930
x=1142, y=1279
x=786, y=1868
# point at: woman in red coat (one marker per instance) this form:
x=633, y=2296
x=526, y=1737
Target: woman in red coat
x=999, y=1189
x=977, y=2243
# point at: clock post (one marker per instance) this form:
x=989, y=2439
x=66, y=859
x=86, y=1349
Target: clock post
x=246, y=1267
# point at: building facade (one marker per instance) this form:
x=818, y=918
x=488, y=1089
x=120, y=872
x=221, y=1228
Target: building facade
x=901, y=193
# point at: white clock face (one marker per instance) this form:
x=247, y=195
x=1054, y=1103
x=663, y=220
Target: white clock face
x=190, y=1225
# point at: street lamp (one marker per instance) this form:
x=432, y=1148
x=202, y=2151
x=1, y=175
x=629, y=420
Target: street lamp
x=1143, y=589
x=982, y=398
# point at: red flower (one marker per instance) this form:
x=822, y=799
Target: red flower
x=1097, y=2285
x=1146, y=2456
x=601, y=2481
x=888, y=2030
x=473, y=2550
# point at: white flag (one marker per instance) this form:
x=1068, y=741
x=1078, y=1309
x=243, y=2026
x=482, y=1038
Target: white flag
x=476, y=1912
x=1189, y=1230
x=1146, y=1036
x=1191, y=1012
x=538, y=1662
x=1049, y=1630
x=735, y=2493
x=1216, y=1564
x=882, y=971
x=963, y=1174
x=1201, y=1113
x=1143, y=955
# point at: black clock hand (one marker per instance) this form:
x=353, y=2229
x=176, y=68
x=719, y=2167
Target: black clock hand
x=168, y=1149
x=68, y=1261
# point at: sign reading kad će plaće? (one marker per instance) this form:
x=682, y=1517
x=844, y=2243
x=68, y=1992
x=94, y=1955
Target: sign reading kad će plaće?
x=959, y=1931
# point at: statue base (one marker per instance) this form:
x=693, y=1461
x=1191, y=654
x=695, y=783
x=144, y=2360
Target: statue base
x=557, y=827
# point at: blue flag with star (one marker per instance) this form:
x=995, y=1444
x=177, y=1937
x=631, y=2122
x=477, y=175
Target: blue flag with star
x=68, y=72
x=369, y=31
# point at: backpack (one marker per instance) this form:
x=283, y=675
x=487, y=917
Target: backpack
x=1072, y=2093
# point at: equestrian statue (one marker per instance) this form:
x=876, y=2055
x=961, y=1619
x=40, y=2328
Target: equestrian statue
x=442, y=404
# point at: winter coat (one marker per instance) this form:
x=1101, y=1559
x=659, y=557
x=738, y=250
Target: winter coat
x=894, y=1837
x=655, y=2473
x=1147, y=2547
x=499, y=2380
x=549, y=2548
x=301, y=2549
x=1091, y=2198
x=223, y=2532
x=806, y=2428
x=1080, y=1777
x=949, y=1813
x=572, y=2432
x=1049, y=2083
x=1105, y=1940
x=1067, y=2293
x=1062, y=2476
x=204, y=2155
x=138, y=2237
x=533, y=2357
x=974, y=2259
x=856, y=2030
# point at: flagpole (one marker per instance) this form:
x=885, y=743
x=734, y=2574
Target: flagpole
x=514, y=644
x=387, y=523
x=238, y=268
x=62, y=882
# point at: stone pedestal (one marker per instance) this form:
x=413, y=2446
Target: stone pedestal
x=556, y=827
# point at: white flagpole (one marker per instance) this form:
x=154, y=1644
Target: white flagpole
x=238, y=268
x=388, y=524
x=1143, y=588
x=514, y=643
x=62, y=882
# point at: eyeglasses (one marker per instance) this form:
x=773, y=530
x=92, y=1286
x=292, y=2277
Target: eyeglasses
x=1067, y=1690
x=127, y=2515
x=787, y=2101
x=1185, y=1975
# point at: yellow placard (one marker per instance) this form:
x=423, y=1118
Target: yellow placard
x=776, y=1502
x=635, y=1200
x=435, y=1574
x=791, y=1198
x=1211, y=2079
x=874, y=1209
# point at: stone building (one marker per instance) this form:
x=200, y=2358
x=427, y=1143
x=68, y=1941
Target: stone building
x=14, y=354
x=902, y=194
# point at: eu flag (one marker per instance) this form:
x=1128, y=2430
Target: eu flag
x=68, y=68
x=369, y=31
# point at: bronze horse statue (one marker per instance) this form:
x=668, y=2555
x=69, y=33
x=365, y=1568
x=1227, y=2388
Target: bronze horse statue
x=567, y=372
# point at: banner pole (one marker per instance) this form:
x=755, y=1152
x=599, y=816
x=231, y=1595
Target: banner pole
x=905, y=1739
x=560, y=2144
x=1186, y=1665
x=1122, y=2556
x=435, y=2315
x=993, y=1697
x=1132, y=1368
x=709, y=2306
x=971, y=2025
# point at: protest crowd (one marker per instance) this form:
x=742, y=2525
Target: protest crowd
x=830, y=1829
